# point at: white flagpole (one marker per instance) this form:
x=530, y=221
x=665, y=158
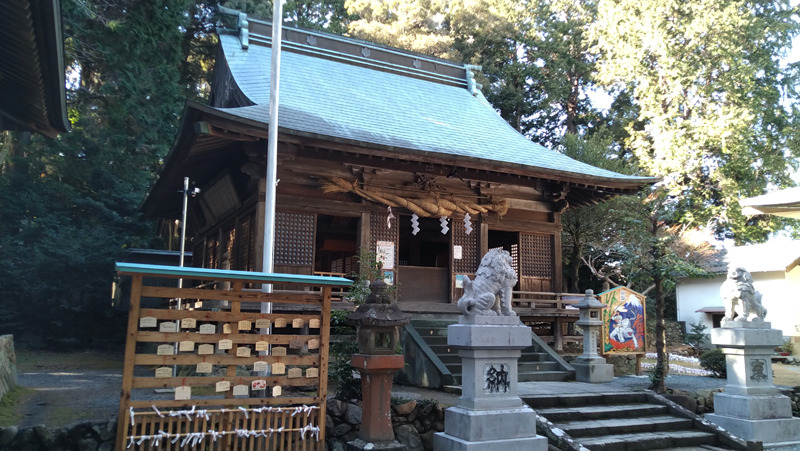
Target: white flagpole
x=272, y=149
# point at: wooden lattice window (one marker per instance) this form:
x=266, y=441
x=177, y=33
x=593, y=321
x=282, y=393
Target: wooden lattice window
x=294, y=238
x=468, y=263
x=537, y=255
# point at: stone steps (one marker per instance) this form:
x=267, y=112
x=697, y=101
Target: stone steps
x=533, y=365
x=564, y=414
x=648, y=440
x=623, y=421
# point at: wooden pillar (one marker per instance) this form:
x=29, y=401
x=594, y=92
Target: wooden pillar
x=366, y=234
x=558, y=262
x=558, y=336
x=483, y=239
x=261, y=212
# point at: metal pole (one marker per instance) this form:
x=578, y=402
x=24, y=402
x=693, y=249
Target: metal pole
x=272, y=157
x=272, y=150
x=183, y=227
x=180, y=262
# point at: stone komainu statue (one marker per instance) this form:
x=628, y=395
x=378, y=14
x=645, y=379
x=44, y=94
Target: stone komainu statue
x=490, y=292
x=741, y=298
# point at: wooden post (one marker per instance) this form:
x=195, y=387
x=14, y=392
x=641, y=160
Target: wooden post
x=130, y=352
x=558, y=336
x=324, y=339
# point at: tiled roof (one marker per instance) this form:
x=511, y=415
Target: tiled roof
x=339, y=100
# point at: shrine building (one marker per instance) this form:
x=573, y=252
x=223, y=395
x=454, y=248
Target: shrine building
x=372, y=140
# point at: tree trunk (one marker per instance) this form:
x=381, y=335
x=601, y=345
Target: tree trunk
x=662, y=362
x=575, y=268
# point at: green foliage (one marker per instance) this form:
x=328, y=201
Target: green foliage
x=370, y=269
x=69, y=205
x=719, y=110
x=787, y=346
x=698, y=336
x=342, y=349
x=328, y=15
x=714, y=361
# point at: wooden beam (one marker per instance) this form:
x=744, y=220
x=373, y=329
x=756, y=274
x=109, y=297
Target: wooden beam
x=206, y=128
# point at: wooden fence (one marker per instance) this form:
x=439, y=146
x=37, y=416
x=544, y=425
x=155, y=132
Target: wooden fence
x=224, y=378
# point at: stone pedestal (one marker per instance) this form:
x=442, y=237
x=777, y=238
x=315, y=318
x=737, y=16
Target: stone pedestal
x=751, y=407
x=490, y=414
x=593, y=370
x=377, y=372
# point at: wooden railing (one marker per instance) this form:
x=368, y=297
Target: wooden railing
x=550, y=315
x=546, y=300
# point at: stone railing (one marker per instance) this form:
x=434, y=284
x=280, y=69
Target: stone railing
x=8, y=364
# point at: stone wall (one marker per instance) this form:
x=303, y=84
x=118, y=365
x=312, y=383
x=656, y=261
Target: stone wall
x=89, y=436
x=8, y=364
x=624, y=364
x=414, y=424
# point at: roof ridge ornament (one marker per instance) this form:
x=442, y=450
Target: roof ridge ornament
x=473, y=87
x=242, y=24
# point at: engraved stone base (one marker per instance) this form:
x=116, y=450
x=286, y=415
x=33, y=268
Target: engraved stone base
x=748, y=353
x=490, y=347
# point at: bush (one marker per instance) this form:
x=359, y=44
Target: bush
x=340, y=372
x=714, y=361
x=698, y=336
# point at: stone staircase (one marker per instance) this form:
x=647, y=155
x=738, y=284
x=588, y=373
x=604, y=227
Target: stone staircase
x=627, y=421
x=537, y=363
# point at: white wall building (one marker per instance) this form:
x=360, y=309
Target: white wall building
x=775, y=267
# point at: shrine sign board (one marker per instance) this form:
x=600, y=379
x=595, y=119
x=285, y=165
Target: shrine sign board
x=624, y=322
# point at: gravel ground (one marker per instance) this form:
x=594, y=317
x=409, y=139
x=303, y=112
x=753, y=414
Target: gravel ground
x=61, y=398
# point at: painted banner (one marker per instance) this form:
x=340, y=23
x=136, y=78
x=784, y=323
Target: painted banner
x=623, y=321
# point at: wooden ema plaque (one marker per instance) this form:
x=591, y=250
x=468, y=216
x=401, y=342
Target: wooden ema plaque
x=196, y=353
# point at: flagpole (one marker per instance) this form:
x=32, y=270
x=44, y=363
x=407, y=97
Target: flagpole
x=272, y=150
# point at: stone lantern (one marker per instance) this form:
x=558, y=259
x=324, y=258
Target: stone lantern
x=591, y=367
x=378, y=322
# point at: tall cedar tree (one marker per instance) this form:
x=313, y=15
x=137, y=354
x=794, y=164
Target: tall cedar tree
x=69, y=205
